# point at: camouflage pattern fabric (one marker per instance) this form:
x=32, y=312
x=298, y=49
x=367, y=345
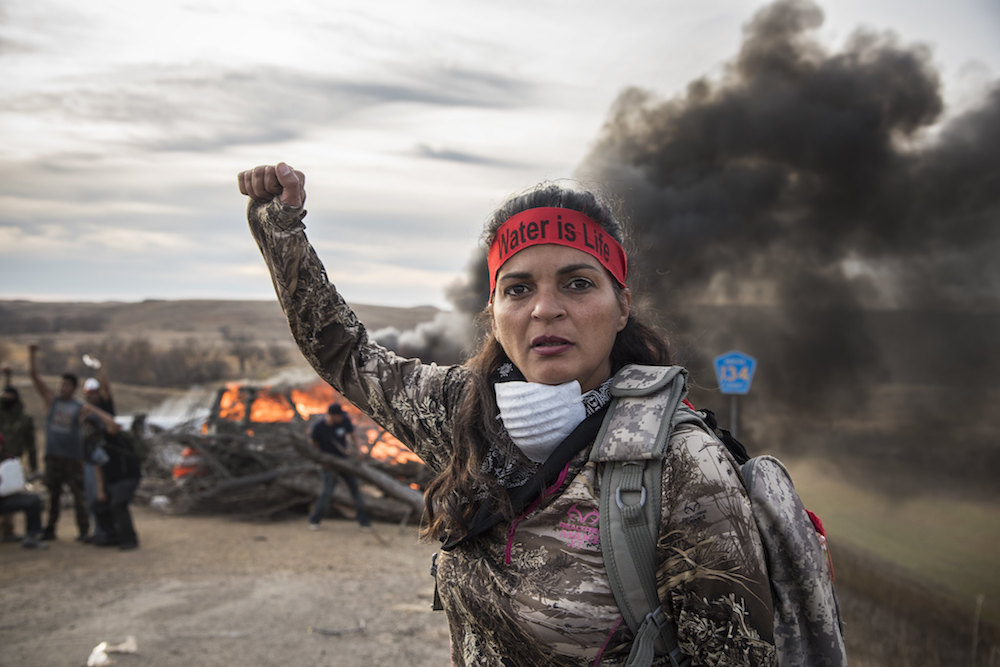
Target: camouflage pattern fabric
x=535, y=592
x=807, y=618
x=625, y=433
x=410, y=399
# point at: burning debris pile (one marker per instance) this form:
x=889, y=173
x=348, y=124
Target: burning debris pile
x=252, y=456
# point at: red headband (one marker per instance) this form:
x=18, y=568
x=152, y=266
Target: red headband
x=561, y=226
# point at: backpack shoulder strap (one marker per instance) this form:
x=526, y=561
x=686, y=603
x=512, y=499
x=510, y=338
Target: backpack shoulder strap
x=646, y=405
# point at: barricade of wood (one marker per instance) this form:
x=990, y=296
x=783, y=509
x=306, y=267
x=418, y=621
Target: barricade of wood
x=266, y=470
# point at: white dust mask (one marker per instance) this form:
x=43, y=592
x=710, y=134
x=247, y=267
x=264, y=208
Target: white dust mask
x=539, y=416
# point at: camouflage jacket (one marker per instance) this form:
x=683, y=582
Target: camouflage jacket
x=534, y=591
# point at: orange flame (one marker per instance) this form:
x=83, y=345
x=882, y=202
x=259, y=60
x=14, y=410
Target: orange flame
x=271, y=406
x=268, y=407
x=231, y=404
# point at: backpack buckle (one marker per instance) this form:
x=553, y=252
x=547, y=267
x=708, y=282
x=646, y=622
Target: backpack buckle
x=641, y=490
x=618, y=496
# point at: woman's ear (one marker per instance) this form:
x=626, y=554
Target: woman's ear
x=492, y=319
x=625, y=307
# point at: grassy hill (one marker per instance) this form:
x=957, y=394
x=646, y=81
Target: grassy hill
x=176, y=319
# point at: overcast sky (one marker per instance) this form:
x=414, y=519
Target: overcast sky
x=123, y=125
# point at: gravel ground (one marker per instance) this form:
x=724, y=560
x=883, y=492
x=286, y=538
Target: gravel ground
x=219, y=591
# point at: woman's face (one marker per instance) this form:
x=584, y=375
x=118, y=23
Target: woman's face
x=556, y=313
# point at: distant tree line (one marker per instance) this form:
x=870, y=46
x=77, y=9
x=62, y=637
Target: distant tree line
x=38, y=324
x=183, y=364
x=249, y=353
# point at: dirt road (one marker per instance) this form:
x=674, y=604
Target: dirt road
x=217, y=591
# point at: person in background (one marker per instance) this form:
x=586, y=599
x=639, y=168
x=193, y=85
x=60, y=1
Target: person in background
x=19, y=429
x=64, y=445
x=96, y=392
x=330, y=435
x=533, y=590
x=22, y=501
x=118, y=478
x=97, y=389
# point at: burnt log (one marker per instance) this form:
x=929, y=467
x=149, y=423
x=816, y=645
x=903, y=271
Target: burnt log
x=380, y=508
x=362, y=470
x=271, y=466
x=234, y=484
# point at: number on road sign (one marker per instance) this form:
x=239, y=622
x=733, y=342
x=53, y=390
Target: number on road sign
x=734, y=371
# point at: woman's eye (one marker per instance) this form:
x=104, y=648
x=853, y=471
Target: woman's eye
x=516, y=290
x=580, y=284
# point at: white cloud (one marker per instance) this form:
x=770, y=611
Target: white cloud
x=29, y=209
x=124, y=124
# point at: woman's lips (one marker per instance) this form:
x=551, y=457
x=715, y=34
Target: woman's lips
x=549, y=345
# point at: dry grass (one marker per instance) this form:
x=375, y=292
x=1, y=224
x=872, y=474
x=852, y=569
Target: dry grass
x=910, y=571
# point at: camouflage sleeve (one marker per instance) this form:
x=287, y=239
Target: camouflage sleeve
x=408, y=398
x=712, y=574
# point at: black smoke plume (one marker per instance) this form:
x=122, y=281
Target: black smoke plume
x=811, y=178
x=819, y=211
x=843, y=228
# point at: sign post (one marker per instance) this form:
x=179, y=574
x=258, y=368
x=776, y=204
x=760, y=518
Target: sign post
x=734, y=371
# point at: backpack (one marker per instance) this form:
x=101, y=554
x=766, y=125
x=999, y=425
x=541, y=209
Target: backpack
x=648, y=403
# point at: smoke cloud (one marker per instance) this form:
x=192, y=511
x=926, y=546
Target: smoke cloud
x=809, y=177
x=445, y=340
x=820, y=211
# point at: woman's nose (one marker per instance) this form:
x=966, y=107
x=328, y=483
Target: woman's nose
x=548, y=305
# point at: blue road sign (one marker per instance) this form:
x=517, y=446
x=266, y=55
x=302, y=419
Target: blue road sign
x=735, y=372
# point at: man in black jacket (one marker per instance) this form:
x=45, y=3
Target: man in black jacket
x=331, y=435
x=118, y=478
